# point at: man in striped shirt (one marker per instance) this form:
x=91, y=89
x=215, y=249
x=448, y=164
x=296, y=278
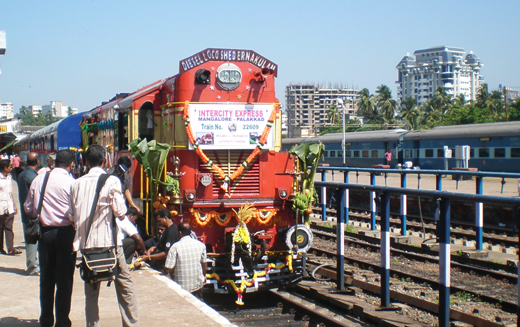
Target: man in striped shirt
x=186, y=262
x=111, y=203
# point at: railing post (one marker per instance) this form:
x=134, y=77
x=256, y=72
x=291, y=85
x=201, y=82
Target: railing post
x=373, y=202
x=444, y=263
x=323, y=196
x=385, y=250
x=404, y=205
x=479, y=213
x=340, y=238
x=347, y=197
x=438, y=187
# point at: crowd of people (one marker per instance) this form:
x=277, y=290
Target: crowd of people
x=62, y=205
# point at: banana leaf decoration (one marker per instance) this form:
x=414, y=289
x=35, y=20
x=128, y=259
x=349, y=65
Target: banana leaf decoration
x=308, y=156
x=152, y=155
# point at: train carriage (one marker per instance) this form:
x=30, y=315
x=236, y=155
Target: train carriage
x=492, y=147
x=221, y=118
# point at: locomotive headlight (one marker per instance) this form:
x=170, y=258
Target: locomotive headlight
x=229, y=76
x=282, y=193
x=189, y=195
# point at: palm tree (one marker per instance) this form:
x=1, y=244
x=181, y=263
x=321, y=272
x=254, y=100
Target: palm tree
x=365, y=103
x=482, y=96
x=442, y=101
x=385, y=103
x=333, y=114
x=495, y=105
x=410, y=113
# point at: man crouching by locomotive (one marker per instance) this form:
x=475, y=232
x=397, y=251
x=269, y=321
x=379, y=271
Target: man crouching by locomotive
x=111, y=202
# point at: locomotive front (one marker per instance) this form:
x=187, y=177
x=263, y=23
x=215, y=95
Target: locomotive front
x=223, y=121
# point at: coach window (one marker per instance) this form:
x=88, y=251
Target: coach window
x=348, y=153
x=471, y=153
x=428, y=153
x=365, y=153
x=356, y=154
x=146, y=122
x=440, y=153
x=515, y=152
x=332, y=154
x=407, y=153
x=483, y=153
x=374, y=153
x=500, y=152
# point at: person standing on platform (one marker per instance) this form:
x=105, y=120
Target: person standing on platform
x=24, y=181
x=57, y=257
x=388, y=157
x=111, y=203
x=125, y=180
x=156, y=256
x=15, y=161
x=186, y=262
x=50, y=164
x=7, y=208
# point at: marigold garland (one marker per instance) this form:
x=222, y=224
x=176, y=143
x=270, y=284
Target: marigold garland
x=263, y=216
x=226, y=178
x=244, y=283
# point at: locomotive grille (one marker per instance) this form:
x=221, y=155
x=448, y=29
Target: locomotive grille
x=246, y=185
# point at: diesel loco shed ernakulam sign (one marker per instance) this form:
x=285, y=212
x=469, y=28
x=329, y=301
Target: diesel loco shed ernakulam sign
x=227, y=55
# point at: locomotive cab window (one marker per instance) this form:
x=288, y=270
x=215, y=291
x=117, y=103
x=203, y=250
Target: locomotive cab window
x=146, y=122
x=483, y=153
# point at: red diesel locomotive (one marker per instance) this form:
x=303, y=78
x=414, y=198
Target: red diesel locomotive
x=222, y=120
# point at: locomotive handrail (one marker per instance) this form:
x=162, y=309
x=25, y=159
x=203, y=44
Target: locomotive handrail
x=421, y=171
x=443, y=198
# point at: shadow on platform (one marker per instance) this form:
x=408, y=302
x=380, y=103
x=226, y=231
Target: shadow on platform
x=13, y=321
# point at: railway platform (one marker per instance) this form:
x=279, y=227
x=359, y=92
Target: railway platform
x=161, y=301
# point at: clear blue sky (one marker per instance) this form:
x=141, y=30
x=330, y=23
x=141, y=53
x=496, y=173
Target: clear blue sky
x=84, y=52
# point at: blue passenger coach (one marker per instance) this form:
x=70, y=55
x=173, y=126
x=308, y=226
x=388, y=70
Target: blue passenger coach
x=493, y=146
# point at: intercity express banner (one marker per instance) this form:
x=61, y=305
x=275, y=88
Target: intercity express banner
x=231, y=126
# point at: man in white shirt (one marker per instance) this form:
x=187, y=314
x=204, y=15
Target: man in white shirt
x=127, y=231
x=111, y=203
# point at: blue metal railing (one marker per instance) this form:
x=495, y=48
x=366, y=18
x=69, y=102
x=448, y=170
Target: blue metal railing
x=479, y=187
x=443, y=226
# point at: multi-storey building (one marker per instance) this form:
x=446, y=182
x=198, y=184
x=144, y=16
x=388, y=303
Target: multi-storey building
x=35, y=110
x=58, y=109
x=6, y=110
x=450, y=67
x=307, y=105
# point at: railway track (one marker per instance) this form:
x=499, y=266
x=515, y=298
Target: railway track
x=293, y=308
x=474, y=286
x=481, y=267
x=506, y=238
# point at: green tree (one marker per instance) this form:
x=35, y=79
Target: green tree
x=387, y=106
x=333, y=114
x=410, y=113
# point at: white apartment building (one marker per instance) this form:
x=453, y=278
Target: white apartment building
x=450, y=67
x=307, y=105
x=58, y=109
x=35, y=110
x=6, y=110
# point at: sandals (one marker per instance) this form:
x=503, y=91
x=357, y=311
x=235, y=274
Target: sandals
x=14, y=251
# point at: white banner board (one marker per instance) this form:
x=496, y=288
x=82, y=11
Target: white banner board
x=230, y=126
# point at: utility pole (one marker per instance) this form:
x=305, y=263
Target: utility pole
x=505, y=101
